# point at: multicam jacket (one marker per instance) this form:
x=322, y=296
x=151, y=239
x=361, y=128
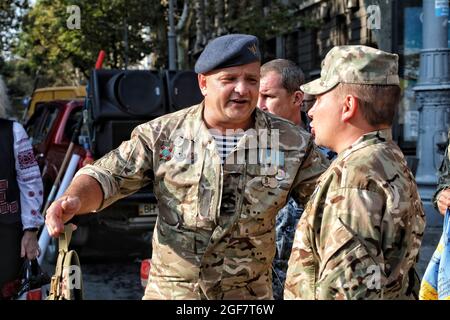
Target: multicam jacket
x=444, y=173
x=215, y=235
x=360, y=234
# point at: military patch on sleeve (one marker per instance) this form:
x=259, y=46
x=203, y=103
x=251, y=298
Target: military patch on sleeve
x=165, y=153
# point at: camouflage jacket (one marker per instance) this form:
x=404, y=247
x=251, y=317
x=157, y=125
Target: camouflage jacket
x=214, y=236
x=360, y=234
x=444, y=173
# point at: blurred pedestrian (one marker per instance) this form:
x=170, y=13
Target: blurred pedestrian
x=280, y=94
x=20, y=198
x=441, y=199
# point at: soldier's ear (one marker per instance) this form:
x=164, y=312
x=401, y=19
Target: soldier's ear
x=349, y=108
x=298, y=98
x=202, y=83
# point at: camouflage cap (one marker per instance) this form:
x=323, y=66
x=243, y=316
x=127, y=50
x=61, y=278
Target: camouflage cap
x=355, y=65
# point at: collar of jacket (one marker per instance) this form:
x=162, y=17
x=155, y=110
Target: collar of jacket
x=201, y=134
x=365, y=140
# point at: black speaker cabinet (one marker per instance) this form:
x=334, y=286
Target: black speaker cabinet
x=110, y=134
x=182, y=89
x=124, y=95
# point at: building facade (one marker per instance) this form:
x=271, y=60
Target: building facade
x=390, y=25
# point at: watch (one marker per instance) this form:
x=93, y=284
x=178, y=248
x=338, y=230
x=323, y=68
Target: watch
x=31, y=229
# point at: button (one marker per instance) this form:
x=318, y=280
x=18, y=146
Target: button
x=281, y=175
x=273, y=183
x=269, y=182
x=178, y=141
x=179, y=156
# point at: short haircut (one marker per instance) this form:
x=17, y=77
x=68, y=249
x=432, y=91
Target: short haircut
x=292, y=76
x=378, y=103
x=4, y=100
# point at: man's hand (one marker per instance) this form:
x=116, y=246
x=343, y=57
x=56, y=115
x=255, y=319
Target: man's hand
x=444, y=201
x=61, y=211
x=30, y=245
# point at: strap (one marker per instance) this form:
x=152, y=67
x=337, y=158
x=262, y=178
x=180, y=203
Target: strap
x=71, y=259
x=65, y=237
x=65, y=259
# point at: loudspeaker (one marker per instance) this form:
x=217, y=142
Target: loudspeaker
x=122, y=95
x=110, y=134
x=182, y=89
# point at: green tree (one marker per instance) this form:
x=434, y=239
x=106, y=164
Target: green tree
x=15, y=72
x=11, y=12
x=262, y=18
x=47, y=40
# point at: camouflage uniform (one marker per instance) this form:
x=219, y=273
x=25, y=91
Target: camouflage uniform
x=360, y=234
x=364, y=219
x=215, y=236
x=444, y=173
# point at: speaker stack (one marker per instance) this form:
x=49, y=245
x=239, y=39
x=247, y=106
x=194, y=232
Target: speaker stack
x=122, y=99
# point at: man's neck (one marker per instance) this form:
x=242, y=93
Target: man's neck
x=352, y=136
x=212, y=123
x=296, y=118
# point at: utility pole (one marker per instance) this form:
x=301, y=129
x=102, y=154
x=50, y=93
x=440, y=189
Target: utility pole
x=433, y=98
x=172, y=38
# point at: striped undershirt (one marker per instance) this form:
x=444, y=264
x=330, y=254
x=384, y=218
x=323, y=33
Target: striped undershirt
x=226, y=143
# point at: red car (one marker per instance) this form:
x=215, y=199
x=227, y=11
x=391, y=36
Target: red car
x=50, y=128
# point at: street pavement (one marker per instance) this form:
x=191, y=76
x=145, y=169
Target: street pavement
x=108, y=279
x=118, y=277
x=430, y=240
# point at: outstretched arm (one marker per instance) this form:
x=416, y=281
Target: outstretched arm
x=83, y=195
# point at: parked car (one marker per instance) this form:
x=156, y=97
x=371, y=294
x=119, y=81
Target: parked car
x=50, y=129
x=52, y=94
x=117, y=101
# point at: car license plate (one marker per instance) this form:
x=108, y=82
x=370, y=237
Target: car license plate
x=146, y=209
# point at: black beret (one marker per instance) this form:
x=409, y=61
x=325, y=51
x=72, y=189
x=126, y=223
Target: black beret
x=228, y=51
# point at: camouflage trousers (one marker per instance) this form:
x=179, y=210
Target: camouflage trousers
x=286, y=223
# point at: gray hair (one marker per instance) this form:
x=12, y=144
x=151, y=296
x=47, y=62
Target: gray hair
x=292, y=76
x=4, y=100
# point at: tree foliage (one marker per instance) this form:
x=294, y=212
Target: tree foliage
x=47, y=40
x=15, y=72
x=11, y=12
x=61, y=52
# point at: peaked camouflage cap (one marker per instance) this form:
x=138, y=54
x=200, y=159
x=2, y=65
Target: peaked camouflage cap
x=354, y=65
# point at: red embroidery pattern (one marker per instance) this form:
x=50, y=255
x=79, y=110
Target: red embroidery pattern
x=6, y=207
x=13, y=207
x=3, y=184
x=26, y=159
x=30, y=178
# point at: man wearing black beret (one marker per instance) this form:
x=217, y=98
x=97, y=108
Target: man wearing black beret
x=221, y=170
